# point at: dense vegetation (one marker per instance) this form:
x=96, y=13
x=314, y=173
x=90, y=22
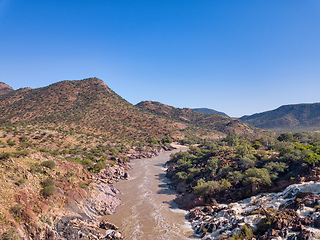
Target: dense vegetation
x=235, y=168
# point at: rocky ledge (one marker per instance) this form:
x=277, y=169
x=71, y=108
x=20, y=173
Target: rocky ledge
x=291, y=214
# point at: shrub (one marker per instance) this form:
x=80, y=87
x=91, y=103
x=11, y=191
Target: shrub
x=23, y=139
x=87, y=163
x=49, y=164
x=83, y=185
x=167, y=140
x=263, y=225
x=20, y=182
x=99, y=166
x=47, y=182
x=11, y=234
x=182, y=175
x=11, y=143
x=224, y=184
x=257, y=176
x=206, y=189
x=246, y=163
x=213, y=164
x=35, y=168
x=235, y=177
x=49, y=190
x=21, y=153
x=5, y=155
x=16, y=210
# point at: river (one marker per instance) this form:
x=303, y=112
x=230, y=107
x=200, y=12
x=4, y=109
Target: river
x=147, y=211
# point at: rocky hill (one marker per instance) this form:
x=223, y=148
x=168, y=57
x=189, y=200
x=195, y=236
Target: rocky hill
x=88, y=106
x=210, y=122
x=4, y=88
x=209, y=111
x=63, y=146
x=289, y=117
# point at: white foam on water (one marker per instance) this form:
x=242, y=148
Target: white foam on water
x=238, y=212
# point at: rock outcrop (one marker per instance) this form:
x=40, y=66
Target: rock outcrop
x=290, y=214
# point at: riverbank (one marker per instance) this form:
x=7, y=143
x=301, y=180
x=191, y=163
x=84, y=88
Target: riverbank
x=148, y=210
x=264, y=195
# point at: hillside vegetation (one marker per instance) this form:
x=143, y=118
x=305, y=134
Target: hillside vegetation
x=63, y=146
x=299, y=117
x=232, y=169
x=209, y=111
x=209, y=122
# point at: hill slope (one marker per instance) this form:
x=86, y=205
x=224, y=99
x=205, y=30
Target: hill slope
x=209, y=111
x=88, y=105
x=294, y=117
x=212, y=122
x=4, y=88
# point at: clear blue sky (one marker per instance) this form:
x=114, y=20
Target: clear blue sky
x=239, y=57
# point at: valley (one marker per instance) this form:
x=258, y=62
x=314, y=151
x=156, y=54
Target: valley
x=67, y=149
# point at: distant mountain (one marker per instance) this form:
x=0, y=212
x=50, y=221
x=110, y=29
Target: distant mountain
x=4, y=88
x=211, y=122
x=209, y=111
x=288, y=117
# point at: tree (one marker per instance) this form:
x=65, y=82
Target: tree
x=232, y=139
x=257, y=177
x=212, y=164
x=285, y=137
x=206, y=189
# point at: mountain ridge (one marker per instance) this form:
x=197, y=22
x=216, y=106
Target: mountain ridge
x=213, y=122
x=209, y=111
x=4, y=88
x=302, y=116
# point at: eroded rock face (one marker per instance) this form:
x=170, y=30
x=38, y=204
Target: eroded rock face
x=77, y=229
x=103, y=201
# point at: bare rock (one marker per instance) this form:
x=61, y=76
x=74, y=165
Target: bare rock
x=107, y=225
x=103, y=201
x=114, y=235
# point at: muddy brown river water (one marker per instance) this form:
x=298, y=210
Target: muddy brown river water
x=148, y=211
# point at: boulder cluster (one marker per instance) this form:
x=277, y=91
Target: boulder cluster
x=291, y=214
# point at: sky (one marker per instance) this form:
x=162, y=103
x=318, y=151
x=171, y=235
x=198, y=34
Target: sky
x=238, y=57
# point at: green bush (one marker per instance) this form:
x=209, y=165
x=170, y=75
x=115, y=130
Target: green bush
x=99, y=166
x=22, y=153
x=49, y=190
x=5, y=155
x=20, y=182
x=16, y=210
x=83, y=185
x=263, y=225
x=182, y=175
x=206, y=189
x=87, y=163
x=49, y=164
x=47, y=182
x=35, y=168
x=11, y=143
